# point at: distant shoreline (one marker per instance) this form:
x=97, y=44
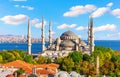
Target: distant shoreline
x=48, y=42
x=36, y=47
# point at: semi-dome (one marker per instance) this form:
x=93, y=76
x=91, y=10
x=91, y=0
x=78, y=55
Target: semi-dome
x=68, y=35
x=67, y=43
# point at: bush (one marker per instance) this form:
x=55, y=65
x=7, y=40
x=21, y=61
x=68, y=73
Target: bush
x=41, y=60
x=67, y=64
x=1, y=59
x=20, y=71
x=86, y=57
x=49, y=60
x=28, y=59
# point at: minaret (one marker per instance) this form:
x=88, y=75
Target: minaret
x=91, y=35
x=43, y=39
x=58, y=44
x=29, y=38
x=88, y=33
x=50, y=33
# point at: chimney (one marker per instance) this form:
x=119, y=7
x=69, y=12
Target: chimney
x=34, y=70
x=15, y=74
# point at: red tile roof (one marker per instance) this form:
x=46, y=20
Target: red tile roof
x=10, y=75
x=45, y=72
x=28, y=67
x=21, y=76
x=20, y=64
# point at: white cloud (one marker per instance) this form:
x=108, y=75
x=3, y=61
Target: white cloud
x=109, y=27
x=14, y=20
x=79, y=36
x=71, y=26
x=100, y=11
x=116, y=12
x=110, y=4
x=53, y=32
x=19, y=0
x=115, y=36
x=38, y=25
x=16, y=5
x=81, y=28
x=27, y=7
x=112, y=35
x=78, y=10
x=34, y=21
x=63, y=26
x=24, y=7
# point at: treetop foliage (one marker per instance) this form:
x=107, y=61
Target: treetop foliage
x=86, y=63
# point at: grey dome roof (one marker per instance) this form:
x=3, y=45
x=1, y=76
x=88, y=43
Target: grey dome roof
x=62, y=74
x=83, y=43
x=68, y=35
x=74, y=74
x=67, y=43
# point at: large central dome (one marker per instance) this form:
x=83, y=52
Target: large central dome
x=68, y=35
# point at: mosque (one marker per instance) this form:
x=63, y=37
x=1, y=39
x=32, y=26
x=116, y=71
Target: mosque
x=66, y=43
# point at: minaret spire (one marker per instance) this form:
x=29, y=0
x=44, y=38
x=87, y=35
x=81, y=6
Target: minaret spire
x=43, y=39
x=50, y=33
x=91, y=35
x=29, y=38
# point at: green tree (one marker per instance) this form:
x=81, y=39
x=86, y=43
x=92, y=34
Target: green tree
x=49, y=60
x=67, y=64
x=105, y=54
x=1, y=59
x=86, y=57
x=76, y=56
x=41, y=60
x=28, y=58
x=117, y=68
x=111, y=73
x=84, y=68
x=9, y=57
x=21, y=53
x=77, y=67
x=17, y=55
x=114, y=58
x=59, y=61
x=118, y=58
x=118, y=73
x=20, y=71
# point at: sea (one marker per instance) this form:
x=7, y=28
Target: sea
x=36, y=47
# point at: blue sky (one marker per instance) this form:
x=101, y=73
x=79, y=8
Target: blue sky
x=65, y=15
